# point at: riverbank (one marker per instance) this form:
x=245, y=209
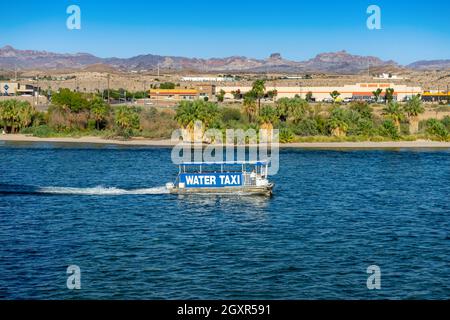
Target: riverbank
x=168, y=143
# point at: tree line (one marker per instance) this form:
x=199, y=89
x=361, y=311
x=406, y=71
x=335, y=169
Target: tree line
x=83, y=114
x=296, y=118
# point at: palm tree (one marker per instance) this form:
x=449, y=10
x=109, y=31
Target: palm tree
x=298, y=109
x=334, y=95
x=413, y=109
x=16, y=114
x=209, y=113
x=267, y=118
x=272, y=94
x=249, y=107
x=191, y=112
x=258, y=90
x=377, y=93
x=100, y=110
x=221, y=95
x=389, y=95
x=338, y=127
x=6, y=114
x=283, y=106
x=309, y=96
x=293, y=109
x=25, y=114
x=237, y=95
x=337, y=123
x=126, y=119
x=394, y=112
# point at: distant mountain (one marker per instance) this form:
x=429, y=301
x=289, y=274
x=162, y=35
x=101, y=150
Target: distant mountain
x=430, y=65
x=30, y=59
x=343, y=62
x=333, y=62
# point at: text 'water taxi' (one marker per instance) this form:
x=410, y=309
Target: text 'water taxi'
x=238, y=177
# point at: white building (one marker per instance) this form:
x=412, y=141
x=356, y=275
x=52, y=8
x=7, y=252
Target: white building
x=207, y=79
x=356, y=91
x=14, y=88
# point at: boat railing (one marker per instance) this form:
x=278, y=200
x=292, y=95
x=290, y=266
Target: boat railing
x=249, y=179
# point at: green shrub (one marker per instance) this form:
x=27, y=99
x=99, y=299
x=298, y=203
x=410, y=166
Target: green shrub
x=42, y=131
x=388, y=129
x=307, y=127
x=363, y=108
x=286, y=135
x=361, y=127
x=91, y=124
x=404, y=129
x=167, y=85
x=126, y=120
x=437, y=129
x=231, y=114
x=156, y=124
x=446, y=122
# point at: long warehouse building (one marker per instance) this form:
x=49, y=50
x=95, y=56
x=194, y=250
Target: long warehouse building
x=356, y=91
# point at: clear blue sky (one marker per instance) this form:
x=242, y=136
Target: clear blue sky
x=411, y=30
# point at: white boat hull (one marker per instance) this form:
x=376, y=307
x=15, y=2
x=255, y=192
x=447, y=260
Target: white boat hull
x=245, y=190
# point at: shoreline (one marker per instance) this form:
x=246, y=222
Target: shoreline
x=301, y=145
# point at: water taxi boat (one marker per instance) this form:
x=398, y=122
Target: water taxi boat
x=240, y=178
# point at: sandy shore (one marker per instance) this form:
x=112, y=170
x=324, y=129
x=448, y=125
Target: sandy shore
x=168, y=143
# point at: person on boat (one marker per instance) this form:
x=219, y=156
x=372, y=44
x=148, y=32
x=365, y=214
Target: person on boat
x=253, y=177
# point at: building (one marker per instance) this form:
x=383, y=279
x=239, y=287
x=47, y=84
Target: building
x=435, y=96
x=16, y=89
x=206, y=90
x=174, y=94
x=387, y=76
x=207, y=79
x=357, y=91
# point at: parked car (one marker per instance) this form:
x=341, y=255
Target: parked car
x=348, y=100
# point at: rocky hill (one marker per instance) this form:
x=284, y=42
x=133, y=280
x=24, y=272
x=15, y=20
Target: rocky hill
x=430, y=65
x=340, y=62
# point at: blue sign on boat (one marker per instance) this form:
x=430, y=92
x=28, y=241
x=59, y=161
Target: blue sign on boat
x=6, y=87
x=211, y=180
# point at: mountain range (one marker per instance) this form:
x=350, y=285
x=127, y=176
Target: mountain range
x=340, y=62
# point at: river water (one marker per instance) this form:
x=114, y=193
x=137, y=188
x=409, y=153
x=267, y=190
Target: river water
x=333, y=214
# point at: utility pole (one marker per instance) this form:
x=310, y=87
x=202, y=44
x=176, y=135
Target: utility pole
x=37, y=96
x=108, y=77
x=145, y=91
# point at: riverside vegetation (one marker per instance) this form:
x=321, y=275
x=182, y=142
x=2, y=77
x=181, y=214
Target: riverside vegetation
x=76, y=114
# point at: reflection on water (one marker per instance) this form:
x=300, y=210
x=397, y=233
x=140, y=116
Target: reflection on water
x=225, y=200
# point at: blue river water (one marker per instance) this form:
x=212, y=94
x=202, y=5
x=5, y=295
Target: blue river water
x=333, y=214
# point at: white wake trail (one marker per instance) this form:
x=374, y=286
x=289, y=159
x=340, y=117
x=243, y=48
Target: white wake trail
x=102, y=191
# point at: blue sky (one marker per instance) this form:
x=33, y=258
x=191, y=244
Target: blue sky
x=299, y=30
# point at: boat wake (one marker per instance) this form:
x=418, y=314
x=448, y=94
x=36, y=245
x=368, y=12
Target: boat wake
x=95, y=191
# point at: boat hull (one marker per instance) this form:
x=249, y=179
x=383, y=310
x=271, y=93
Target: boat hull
x=248, y=190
